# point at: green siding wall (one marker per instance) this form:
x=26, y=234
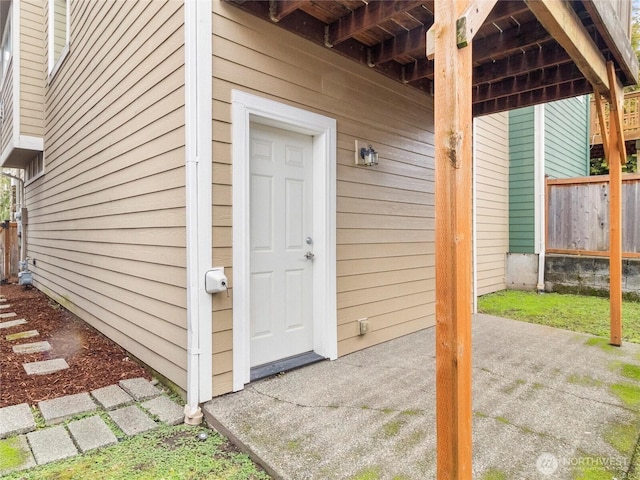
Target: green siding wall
x=566, y=155
x=521, y=187
x=567, y=138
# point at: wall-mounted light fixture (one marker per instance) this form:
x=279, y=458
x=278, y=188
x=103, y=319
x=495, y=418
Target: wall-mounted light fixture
x=366, y=155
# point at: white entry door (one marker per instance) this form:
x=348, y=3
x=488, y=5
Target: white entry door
x=281, y=243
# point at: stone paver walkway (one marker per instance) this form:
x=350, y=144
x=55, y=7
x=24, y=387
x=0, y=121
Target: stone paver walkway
x=122, y=403
x=133, y=406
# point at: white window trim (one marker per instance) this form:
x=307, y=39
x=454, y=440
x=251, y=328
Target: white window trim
x=247, y=108
x=54, y=65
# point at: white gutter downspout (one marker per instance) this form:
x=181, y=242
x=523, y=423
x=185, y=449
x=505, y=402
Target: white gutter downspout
x=474, y=244
x=539, y=182
x=198, y=181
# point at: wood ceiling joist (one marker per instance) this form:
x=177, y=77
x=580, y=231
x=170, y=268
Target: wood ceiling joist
x=564, y=73
x=365, y=18
x=533, y=97
x=281, y=8
x=410, y=43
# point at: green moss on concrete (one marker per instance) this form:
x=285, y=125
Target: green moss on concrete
x=480, y=414
x=630, y=371
x=392, y=428
x=592, y=468
x=293, y=445
x=503, y=420
x=494, y=474
x=602, y=343
x=371, y=473
x=584, y=380
x=411, y=412
x=622, y=437
x=628, y=393
x=509, y=389
x=388, y=410
x=11, y=454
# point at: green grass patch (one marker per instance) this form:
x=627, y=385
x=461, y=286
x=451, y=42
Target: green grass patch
x=602, y=343
x=628, y=393
x=11, y=454
x=168, y=452
x=494, y=474
x=572, y=312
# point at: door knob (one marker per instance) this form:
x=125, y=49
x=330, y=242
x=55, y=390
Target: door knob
x=309, y=256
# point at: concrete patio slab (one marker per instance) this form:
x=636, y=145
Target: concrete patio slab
x=16, y=419
x=547, y=403
x=12, y=323
x=4, y=305
x=9, y=315
x=91, y=433
x=22, y=459
x=132, y=420
x=165, y=409
x=21, y=335
x=139, y=388
x=34, y=347
x=111, y=397
x=57, y=410
x=45, y=367
x=51, y=444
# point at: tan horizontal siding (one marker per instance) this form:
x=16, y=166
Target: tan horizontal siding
x=7, y=105
x=384, y=213
x=32, y=67
x=107, y=220
x=492, y=201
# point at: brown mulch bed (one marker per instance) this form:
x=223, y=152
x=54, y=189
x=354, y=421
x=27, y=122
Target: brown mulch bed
x=94, y=360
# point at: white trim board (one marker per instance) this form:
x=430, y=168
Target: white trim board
x=247, y=108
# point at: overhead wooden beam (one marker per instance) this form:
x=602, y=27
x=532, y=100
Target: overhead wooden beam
x=404, y=44
x=364, y=18
x=278, y=9
x=606, y=18
x=453, y=164
x=468, y=24
x=563, y=24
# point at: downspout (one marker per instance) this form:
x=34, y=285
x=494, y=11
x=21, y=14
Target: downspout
x=474, y=240
x=539, y=181
x=198, y=181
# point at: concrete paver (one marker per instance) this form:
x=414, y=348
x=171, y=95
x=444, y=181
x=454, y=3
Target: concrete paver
x=111, y=397
x=4, y=305
x=58, y=410
x=51, y=444
x=21, y=335
x=91, y=433
x=20, y=445
x=16, y=419
x=541, y=396
x=165, y=409
x=12, y=323
x=139, y=388
x=34, y=347
x=46, y=366
x=9, y=315
x=132, y=420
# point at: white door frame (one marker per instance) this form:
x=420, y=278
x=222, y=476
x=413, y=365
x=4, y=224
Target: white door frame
x=248, y=108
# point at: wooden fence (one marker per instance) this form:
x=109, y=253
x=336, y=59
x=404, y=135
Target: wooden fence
x=9, y=250
x=578, y=216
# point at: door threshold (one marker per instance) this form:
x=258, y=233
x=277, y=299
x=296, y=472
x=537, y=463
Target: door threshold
x=284, y=365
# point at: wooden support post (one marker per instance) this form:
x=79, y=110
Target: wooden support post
x=453, y=162
x=615, y=154
x=602, y=121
